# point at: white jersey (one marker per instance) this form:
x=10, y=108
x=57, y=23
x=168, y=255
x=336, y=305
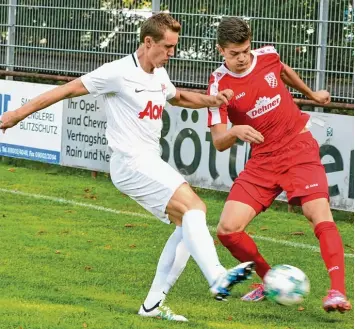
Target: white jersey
x=134, y=103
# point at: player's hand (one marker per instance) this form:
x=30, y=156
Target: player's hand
x=223, y=97
x=321, y=97
x=8, y=120
x=248, y=134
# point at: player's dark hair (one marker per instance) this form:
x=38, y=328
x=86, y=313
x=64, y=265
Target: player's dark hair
x=156, y=25
x=232, y=30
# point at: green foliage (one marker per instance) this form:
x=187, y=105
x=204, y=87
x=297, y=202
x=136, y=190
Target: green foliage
x=83, y=34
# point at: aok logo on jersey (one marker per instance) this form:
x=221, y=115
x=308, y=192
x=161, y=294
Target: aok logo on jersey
x=154, y=112
x=264, y=105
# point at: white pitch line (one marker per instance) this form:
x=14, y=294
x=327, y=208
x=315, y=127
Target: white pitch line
x=75, y=203
x=136, y=214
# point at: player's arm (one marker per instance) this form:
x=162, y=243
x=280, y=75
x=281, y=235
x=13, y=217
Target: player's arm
x=291, y=78
x=224, y=138
x=72, y=89
x=194, y=100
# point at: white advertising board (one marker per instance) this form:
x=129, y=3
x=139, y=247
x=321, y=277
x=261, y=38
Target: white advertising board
x=38, y=137
x=84, y=142
x=187, y=146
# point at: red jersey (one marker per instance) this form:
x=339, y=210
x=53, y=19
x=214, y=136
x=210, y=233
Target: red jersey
x=261, y=100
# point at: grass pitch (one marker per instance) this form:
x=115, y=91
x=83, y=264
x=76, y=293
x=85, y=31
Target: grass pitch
x=67, y=265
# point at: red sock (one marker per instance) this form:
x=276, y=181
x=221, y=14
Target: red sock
x=331, y=248
x=243, y=248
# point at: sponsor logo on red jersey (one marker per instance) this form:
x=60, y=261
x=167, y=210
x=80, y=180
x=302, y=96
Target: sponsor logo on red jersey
x=264, y=105
x=240, y=95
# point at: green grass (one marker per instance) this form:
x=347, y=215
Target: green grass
x=67, y=266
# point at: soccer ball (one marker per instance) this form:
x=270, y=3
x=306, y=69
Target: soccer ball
x=286, y=285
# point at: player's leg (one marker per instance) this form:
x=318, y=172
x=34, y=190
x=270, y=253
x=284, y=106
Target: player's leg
x=152, y=186
x=181, y=258
x=182, y=255
x=200, y=243
x=318, y=212
x=241, y=207
x=252, y=192
x=306, y=184
x=231, y=232
x=172, y=262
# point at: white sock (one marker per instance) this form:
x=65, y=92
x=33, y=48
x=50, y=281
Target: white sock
x=171, y=263
x=181, y=257
x=200, y=244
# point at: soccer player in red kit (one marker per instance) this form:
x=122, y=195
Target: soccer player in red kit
x=284, y=155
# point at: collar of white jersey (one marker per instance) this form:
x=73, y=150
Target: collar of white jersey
x=248, y=71
x=135, y=59
x=138, y=64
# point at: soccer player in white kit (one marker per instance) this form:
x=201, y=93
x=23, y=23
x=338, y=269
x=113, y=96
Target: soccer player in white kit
x=135, y=90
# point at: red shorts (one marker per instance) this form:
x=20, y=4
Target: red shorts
x=296, y=169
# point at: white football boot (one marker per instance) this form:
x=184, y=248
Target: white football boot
x=221, y=288
x=161, y=311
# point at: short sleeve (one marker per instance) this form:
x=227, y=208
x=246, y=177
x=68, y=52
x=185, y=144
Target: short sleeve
x=216, y=115
x=271, y=53
x=103, y=80
x=170, y=88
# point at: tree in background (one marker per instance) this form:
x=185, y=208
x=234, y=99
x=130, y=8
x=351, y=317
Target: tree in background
x=77, y=36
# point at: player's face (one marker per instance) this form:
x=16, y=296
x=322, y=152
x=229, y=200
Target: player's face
x=160, y=52
x=237, y=56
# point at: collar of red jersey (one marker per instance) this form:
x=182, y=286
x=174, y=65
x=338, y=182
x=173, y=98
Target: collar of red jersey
x=248, y=71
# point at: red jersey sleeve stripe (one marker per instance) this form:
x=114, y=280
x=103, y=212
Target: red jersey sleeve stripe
x=216, y=116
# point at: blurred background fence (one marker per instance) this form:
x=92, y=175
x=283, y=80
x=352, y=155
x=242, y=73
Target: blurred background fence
x=66, y=37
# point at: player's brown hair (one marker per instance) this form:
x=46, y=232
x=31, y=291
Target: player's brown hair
x=156, y=25
x=232, y=30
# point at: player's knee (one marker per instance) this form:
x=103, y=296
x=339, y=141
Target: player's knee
x=317, y=212
x=177, y=220
x=309, y=215
x=228, y=227
x=194, y=203
x=185, y=199
x=312, y=214
x=177, y=209
x=198, y=204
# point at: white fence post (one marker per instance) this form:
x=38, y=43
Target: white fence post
x=155, y=6
x=322, y=46
x=11, y=31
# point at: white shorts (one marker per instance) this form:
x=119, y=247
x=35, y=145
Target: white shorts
x=148, y=180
